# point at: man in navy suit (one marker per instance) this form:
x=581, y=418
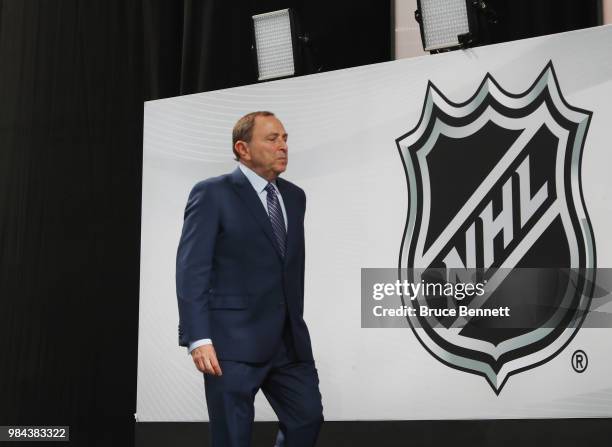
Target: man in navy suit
x=240, y=289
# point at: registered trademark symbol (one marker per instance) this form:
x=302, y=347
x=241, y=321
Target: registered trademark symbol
x=580, y=361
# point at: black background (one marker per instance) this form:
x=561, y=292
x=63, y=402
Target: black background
x=73, y=78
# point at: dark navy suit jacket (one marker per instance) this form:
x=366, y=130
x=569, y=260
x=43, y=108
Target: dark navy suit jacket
x=232, y=284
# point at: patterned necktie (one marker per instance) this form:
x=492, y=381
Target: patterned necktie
x=276, y=218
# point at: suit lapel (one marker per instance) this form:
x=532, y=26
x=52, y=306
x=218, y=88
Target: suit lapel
x=249, y=197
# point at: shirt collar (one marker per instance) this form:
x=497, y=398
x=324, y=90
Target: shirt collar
x=259, y=183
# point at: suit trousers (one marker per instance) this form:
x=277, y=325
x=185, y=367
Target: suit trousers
x=290, y=386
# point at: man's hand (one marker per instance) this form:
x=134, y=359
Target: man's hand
x=205, y=359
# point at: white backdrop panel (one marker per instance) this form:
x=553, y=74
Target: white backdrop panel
x=342, y=152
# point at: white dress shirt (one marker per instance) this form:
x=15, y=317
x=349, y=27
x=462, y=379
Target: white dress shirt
x=259, y=185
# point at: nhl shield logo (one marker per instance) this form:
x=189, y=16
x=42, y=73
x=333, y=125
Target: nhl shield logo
x=494, y=185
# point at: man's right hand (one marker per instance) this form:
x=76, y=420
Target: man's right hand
x=205, y=359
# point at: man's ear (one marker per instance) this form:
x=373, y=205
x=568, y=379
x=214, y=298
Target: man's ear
x=243, y=150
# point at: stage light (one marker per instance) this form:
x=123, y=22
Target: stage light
x=275, y=42
x=451, y=24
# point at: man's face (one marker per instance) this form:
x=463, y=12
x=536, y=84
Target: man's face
x=266, y=153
